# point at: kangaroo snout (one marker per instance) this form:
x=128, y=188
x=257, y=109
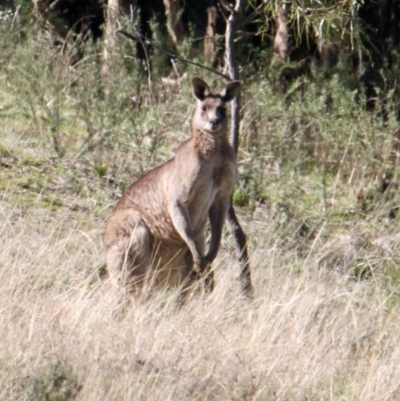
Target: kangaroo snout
x=214, y=124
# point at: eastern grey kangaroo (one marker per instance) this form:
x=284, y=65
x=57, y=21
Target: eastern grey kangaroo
x=157, y=230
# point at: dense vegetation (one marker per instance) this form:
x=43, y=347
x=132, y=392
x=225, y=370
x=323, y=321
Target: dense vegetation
x=318, y=198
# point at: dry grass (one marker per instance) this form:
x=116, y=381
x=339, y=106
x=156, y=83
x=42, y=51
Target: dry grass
x=314, y=334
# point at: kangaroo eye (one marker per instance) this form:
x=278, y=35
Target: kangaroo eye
x=204, y=108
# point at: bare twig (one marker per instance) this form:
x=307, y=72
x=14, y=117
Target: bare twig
x=233, y=222
x=143, y=39
x=51, y=7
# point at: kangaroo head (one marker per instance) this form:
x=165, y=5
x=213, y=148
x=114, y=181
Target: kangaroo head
x=210, y=115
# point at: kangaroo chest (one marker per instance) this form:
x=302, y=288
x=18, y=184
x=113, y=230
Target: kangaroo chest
x=213, y=181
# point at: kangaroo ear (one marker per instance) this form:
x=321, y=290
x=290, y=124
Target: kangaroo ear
x=230, y=91
x=200, y=88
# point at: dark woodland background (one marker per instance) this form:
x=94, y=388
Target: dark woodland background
x=362, y=38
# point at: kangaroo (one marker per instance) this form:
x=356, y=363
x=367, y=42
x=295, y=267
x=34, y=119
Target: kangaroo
x=157, y=229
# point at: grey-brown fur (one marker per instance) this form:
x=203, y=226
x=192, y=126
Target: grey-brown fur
x=157, y=230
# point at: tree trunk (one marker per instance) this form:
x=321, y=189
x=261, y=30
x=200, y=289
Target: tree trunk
x=282, y=37
x=109, y=37
x=209, y=40
x=174, y=24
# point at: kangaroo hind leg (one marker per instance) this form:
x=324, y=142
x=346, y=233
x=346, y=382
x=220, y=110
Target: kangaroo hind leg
x=127, y=243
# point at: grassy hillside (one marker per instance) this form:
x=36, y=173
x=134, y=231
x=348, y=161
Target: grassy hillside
x=323, y=238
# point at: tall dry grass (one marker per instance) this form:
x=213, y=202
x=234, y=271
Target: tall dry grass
x=314, y=334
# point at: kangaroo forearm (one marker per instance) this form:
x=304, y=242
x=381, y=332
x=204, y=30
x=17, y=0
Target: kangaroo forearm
x=181, y=222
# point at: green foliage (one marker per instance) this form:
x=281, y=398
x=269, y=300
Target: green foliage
x=326, y=19
x=57, y=383
x=4, y=150
x=240, y=197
